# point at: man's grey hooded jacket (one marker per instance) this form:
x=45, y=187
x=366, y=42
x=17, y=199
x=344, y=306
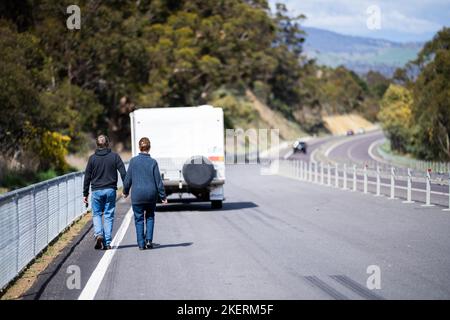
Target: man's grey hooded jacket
x=101, y=171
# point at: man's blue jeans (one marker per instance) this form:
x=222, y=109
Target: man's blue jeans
x=103, y=202
x=144, y=212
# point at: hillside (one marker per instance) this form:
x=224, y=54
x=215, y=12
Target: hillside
x=339, y=125
x=358, y=53
x=289, y=130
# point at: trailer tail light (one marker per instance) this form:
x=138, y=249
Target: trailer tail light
x=216, y=158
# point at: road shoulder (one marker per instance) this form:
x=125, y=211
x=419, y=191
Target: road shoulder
x=56, y=282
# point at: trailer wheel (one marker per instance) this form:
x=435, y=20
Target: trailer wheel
x=216, y=204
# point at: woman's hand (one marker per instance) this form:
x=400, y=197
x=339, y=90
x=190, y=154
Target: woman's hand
x=164, y=201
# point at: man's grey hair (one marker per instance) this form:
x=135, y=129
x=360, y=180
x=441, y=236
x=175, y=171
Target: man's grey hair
x=102, y=141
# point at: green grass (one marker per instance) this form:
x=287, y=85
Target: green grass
x=46, y=175
x=407, y=160
x=13, y=180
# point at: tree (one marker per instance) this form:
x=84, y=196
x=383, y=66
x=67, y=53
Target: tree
x=426, y=134
x=431, y=108
x=287, y=50
x=396, y=116
x=19, y=94
x=377, y=83
x=39, y=105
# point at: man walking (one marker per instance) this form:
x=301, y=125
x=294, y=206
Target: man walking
x=101, y=175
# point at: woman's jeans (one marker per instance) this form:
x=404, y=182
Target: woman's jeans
x=144, y=212
x=103, y=203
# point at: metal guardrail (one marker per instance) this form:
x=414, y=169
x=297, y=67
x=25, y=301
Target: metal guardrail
x=32, y=217
x=376, y=180
x=385, y=162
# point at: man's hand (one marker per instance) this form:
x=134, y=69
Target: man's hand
x=164, y=201
x=124, y=196
x=85, y=200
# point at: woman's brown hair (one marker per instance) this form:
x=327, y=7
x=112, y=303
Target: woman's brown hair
x=144, y=144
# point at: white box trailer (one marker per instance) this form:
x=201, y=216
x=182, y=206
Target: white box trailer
x=188, y=143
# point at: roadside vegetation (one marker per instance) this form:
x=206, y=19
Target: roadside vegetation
x=415, y=110
x=58, y=87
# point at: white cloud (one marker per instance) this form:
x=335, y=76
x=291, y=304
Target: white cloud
x=396, y=21
x=400, y=19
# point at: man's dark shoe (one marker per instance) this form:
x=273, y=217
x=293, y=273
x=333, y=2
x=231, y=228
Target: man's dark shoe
x=149, y=244
x=108, y=247
x=98, y=242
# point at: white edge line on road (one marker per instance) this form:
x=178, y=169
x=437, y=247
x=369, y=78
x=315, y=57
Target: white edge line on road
x=348, y=139
x=334, y=146
x=372, y=155
x=349, y=152
x=91, y=288
x=288, y=154
x=313, y=155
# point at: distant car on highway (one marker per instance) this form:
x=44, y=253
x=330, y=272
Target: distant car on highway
x=350, y=132
x=300, y=146
x=360, y=131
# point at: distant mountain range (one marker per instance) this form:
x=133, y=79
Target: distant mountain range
x=358, y=53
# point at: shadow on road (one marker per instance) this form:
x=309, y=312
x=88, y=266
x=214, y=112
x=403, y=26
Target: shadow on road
x=158, y=246
x=204, y=206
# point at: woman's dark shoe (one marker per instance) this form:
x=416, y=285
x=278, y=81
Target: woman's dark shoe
x=98, y=242
x=108, y=247
x=149, y=244
x=141, y=248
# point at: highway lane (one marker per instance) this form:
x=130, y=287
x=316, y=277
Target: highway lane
x=275, y=238
x=356, y=149
x=312, y=145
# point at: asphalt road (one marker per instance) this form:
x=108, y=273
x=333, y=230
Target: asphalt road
x=312, y=145
x=356, y=148
x=275, y=238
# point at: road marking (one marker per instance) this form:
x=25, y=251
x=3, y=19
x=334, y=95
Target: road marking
x=313, y=141
x=349, y=152
x=372, y=155
x=288, y=154
x=357, y=144
x=349, y=139
x=91, y=288
x=334, y=146
x=313, y=155
x=272, y=150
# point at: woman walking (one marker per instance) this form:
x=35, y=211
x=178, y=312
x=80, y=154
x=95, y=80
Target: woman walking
x=145, y=179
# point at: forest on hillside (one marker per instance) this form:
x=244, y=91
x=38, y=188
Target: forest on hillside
x=60, y=87
x=415, y=110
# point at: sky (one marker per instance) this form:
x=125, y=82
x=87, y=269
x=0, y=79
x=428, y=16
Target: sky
x=395, y=20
